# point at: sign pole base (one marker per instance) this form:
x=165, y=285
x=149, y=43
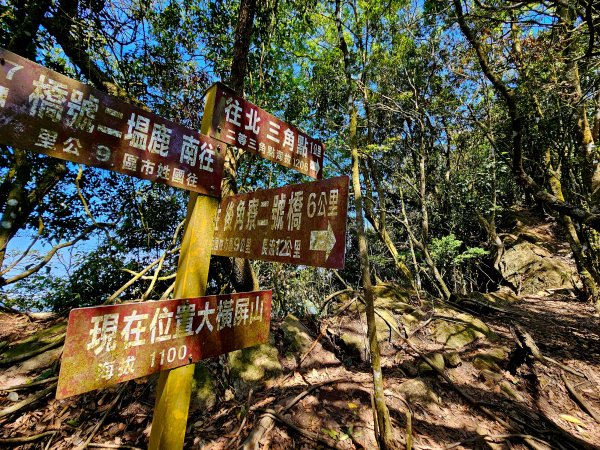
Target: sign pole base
x=171, y=408
x=175, y=386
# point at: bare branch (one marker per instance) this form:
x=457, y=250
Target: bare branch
x=53, y=251
x=26, y=252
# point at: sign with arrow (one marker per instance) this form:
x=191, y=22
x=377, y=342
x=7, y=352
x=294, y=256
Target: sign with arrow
x=239, y=123
x=303, y=224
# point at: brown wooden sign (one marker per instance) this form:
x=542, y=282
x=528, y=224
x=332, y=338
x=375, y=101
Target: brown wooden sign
x=298, y=224
x=244, y=125
x=106, y=345
x=44, y=111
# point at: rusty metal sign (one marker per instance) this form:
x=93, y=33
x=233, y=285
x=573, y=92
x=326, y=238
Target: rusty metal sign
x=302, y=224
x=106, y=345
x=46, y=112
x=244, y=125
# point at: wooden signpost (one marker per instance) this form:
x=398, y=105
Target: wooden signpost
x=106, y=345
x=239, y=123
x=43, y=111
x=298, y=224
x=46, y=112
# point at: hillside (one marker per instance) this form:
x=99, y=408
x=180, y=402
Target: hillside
x=498, y=370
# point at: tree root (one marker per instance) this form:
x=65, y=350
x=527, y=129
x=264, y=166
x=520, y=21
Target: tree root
x=244, y=420
x=525, y=341
x=307, y=434
x=330, y=297
x=579, y=399
x=324, y=327
x=28, y=401
x=56, y=342
x=565, y=368
x=533, y=355
x=494, y=438
x=484, y=409
x=266, y=423
x=22, y=387
x=458, y=390
x=26, y=439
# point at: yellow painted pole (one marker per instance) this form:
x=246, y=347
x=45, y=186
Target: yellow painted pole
x=175, y=386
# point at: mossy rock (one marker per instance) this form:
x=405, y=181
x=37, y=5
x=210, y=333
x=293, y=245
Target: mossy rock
x=298, y=342
x=452, y=359
x=37, y=340
x=386, y=323
x=437, y=360
x=489, y=377
x=252, y=366
x=387, y=289
x=355, y=344
x=255, y=363
x=460, y=330
x=533, y=269
x=204, y=396
x=295, y=335
x=490, y=359
x=417, y=392
x=509, y=390
x=497, y=298
x=411, y=320
x=496, y=354
x=354, y=336
x=392, y=296
x=388, y=296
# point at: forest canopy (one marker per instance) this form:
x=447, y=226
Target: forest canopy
x=458, y=111
x=462, y=124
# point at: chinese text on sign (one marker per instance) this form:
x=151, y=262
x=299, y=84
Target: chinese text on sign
x=106, y=345
x=244, y=125
x=298, y=224
x=44, y=111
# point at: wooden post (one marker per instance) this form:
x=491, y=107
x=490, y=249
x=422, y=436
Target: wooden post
x=175, y=386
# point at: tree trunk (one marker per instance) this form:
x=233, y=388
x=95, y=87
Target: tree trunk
x=588, y=275
x=423, y=243
x=587, y=151
x=383, y=416
x=589, y=218
x=384, y=425
x=423, y=249
x=243, y=278
x=490, y=227
x=379, y=223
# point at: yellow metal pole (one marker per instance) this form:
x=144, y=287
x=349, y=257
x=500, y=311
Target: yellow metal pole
x=175, y=386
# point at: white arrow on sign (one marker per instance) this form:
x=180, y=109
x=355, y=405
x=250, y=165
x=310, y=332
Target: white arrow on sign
x=323, y=240
x=314, y=165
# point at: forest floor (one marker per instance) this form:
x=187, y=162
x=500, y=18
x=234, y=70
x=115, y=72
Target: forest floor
x=338, y=411
x=528, y=377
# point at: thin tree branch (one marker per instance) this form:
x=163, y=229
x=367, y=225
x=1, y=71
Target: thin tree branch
x=55, y=249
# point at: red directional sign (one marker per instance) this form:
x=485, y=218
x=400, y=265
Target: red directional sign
x=106, y=345
x=242, y=124
x=299, y=224
x=46, y=112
